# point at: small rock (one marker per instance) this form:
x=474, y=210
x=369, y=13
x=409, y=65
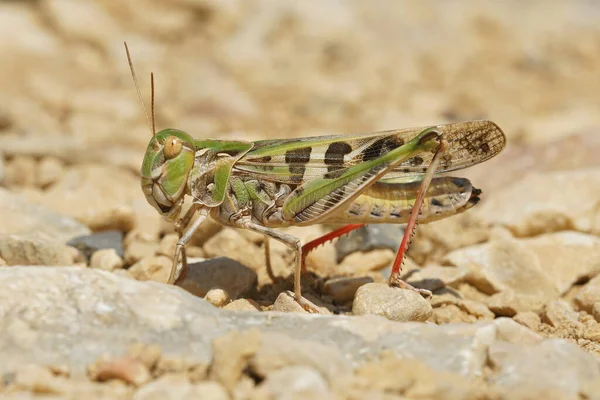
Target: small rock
x=153, y=268
x=277, y=351
x=126, y=369
x=393, y=303
x=222, y=272
x=231, y=354
x=106, y=259
x=243, y=305
x=89, y=244
x=369, y=237
x=589, y=295
x=343, y=289
x=50, y=169
x=285, y=303
x=299, y=382
x=528, y=319
x=137, y=249
x=34, y=249
x=20, y=216
x=217, y=297
x=168, y=244
x=559, y=313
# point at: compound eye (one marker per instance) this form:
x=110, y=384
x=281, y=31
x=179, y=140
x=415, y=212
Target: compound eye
x=172, y=147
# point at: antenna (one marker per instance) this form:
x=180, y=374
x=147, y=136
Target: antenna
x=137, y=88
x=152, y=104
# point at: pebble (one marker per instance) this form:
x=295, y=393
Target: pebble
x=126, y=369
x=106, y=259
x=222, y=272
x=393, y=303
x=285, y=302
x=231, y=354
x=152, y=268
x=217, y=297
x=243, y=305
x=528, y=319
x=89, y=244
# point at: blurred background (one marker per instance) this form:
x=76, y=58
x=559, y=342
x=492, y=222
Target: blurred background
x=73, y=134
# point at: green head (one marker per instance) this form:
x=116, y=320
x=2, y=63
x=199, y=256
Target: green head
x=168, y=161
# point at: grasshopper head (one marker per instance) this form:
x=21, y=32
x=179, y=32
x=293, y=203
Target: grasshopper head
x=168, y=161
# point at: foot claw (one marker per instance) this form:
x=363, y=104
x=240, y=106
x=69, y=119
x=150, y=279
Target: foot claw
x=395, y=281
x=306, y=304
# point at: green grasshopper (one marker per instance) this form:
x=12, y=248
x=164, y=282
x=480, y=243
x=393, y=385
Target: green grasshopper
x=354, y=179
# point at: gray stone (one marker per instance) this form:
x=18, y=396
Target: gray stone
x=19, y=216
x=553, y=363
x=89, y=244
x=343, y=289
x=369, y=237
x=46, y=309
x=435, y=277
x=221, y=272
x=393, y=303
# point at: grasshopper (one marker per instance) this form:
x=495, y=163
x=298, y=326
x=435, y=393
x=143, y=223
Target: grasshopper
x=353, y=179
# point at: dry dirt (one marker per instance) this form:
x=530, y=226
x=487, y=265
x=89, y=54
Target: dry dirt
x=73, y=135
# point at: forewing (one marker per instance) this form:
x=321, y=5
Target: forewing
x=296, y=161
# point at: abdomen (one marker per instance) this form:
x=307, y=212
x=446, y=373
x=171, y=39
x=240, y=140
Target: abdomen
x=391, y=202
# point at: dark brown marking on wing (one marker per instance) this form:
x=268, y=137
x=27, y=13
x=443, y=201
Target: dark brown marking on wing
x=381, y=147
x=297, y=160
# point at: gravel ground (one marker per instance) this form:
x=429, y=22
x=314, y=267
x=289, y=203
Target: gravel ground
x=85, y=312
